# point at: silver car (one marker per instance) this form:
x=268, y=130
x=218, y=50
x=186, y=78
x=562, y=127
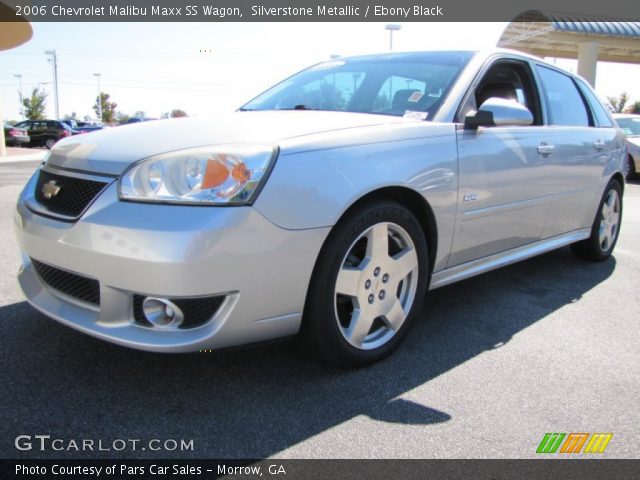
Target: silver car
x=630, y=125
x=325, y=207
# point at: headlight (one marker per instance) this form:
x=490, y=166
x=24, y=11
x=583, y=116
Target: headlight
x=227, y=174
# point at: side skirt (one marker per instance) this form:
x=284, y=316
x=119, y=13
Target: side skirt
x=482, y=265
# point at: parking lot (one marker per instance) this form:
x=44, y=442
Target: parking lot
x=548, y=345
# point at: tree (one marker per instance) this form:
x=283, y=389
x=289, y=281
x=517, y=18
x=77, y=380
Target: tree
x=177, y=113
x=122, y=118
x=108, y=108
x=73, y=116
x=34, y=105
x=635, y=108
x=140, y=114
x=618, y=103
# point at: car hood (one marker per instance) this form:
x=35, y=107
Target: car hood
x=112, y=150
x=634, y=141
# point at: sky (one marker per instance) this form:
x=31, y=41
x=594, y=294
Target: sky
x=205, y=68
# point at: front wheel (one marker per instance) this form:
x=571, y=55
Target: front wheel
x=629, y=169
x=606, y=226
x=368, y=285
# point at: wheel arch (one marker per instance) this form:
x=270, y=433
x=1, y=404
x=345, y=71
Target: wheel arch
x=620, y=179
x=412, y=200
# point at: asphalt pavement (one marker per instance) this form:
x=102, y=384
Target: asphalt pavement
x=548, y=345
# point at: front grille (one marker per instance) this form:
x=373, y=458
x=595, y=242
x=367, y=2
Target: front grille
x=72, y=195
x=196, y=311
x=76, y=286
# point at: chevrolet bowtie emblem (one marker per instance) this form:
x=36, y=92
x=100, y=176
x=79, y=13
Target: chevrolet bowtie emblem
x=50, y=189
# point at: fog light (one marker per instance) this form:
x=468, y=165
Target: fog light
x=162, y=313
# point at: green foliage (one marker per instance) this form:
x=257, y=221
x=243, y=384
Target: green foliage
x=108, y=108
x=176, y=113
x=34, y=105
x=618, y=103
x=122, y=117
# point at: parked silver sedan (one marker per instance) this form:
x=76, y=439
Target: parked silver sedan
x=325, y=207
x=630, y=125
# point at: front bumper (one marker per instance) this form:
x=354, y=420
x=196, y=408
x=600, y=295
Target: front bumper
x=170, y=251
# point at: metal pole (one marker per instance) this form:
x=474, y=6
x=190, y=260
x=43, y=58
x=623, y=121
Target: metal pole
x=97, y=75
x=21, y=109
x=54, y=60
x=391, y=27
x=3, y=149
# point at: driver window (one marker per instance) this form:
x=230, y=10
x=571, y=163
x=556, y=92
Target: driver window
x=508, y=79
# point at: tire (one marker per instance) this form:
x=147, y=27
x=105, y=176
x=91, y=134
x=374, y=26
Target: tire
x=606, y=226
x=629, y=169
x=362, y=299
x=49, y=143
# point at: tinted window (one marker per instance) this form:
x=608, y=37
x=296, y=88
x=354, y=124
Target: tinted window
x=386, y=84
x=565, y=103
x=596, y=106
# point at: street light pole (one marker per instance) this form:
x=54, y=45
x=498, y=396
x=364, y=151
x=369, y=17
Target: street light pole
x=97, y=75
x=21, y=110
x=392, y=27
x=53, y=58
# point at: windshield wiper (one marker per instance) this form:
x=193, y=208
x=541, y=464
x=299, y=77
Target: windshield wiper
x=298, y=107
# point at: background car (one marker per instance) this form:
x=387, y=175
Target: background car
x=45, y=133
x=15, y=137
x=630, y=125
x=82, y=127
x=138, y=120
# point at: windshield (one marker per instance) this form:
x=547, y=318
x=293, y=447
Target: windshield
x=630, y=126
x=384, y=84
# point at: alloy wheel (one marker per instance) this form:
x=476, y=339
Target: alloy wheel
x=376, y=285
x=609, y=220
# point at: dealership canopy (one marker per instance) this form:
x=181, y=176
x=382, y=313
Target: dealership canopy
x=588, y=39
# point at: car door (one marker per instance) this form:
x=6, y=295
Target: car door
x=503, y=172
x=584, y=139
x=37, y=132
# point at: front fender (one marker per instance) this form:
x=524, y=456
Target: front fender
x=312, y=189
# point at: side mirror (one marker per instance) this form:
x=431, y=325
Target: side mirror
x=498, y=112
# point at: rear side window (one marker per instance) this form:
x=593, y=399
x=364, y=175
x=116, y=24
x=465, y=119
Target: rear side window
x=598, y=110
x=566, y=106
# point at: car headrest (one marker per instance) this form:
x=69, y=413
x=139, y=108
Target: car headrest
x=401, y=99
x=500, y=90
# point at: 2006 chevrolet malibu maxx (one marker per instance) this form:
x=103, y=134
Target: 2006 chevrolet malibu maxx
x=327, y=206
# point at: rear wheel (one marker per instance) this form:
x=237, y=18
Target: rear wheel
x=605, y=228
x=368, y=285
x=49, y=143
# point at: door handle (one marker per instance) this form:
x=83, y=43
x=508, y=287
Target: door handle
x=545, y=149
x=599, y=144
